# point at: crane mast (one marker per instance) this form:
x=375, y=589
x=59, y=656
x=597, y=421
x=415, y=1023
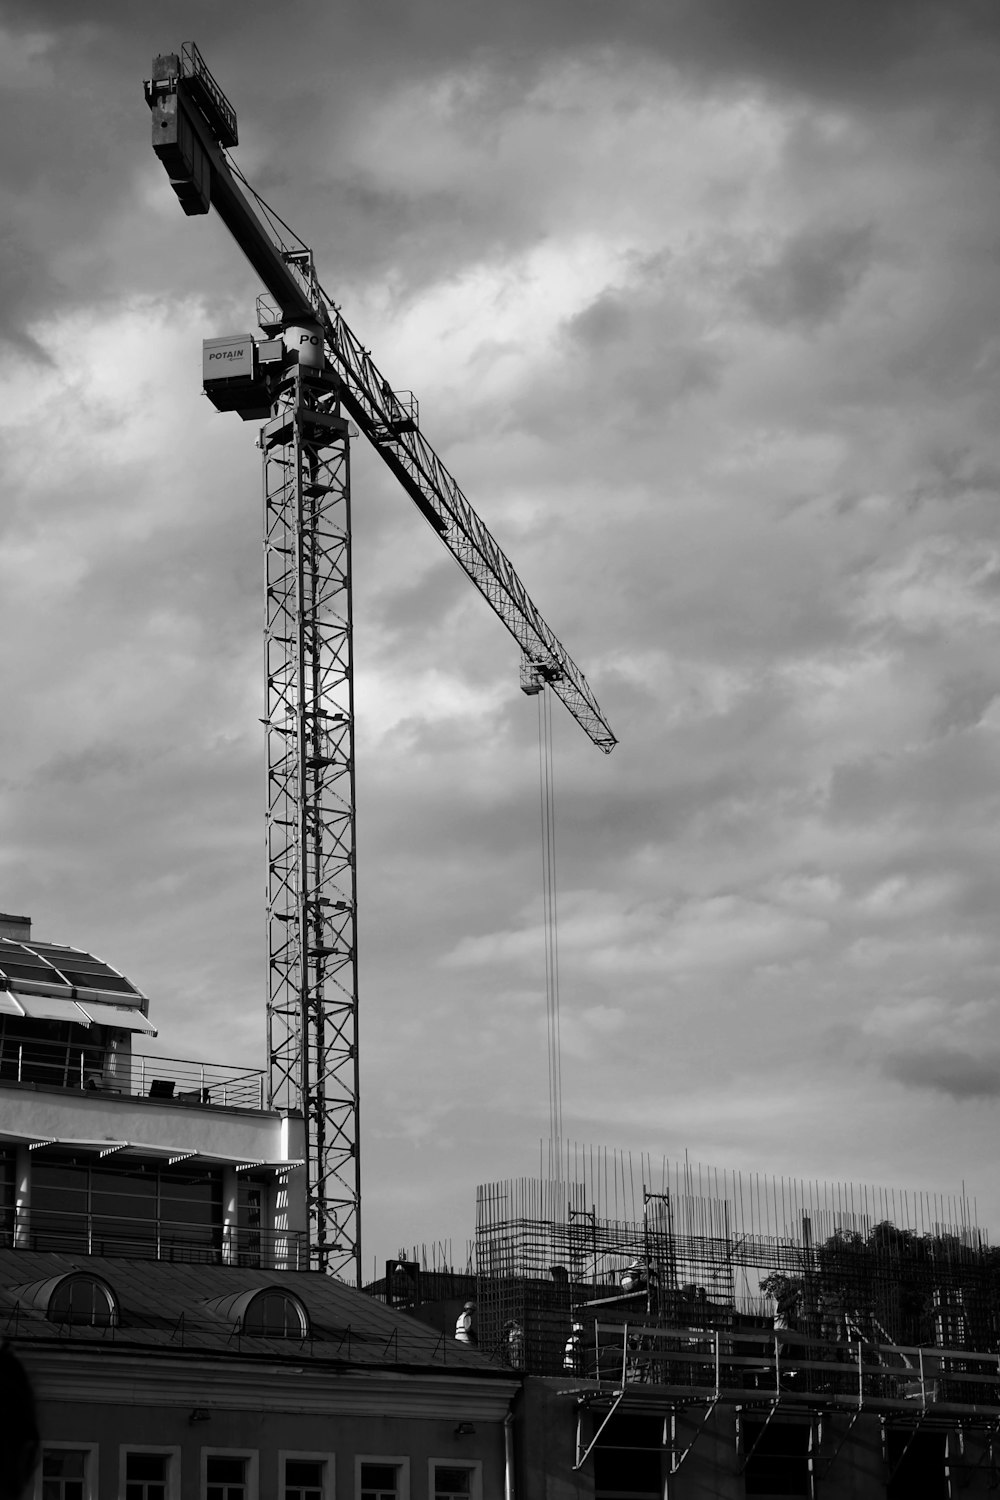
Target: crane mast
x=308, y=378
x=311, y=891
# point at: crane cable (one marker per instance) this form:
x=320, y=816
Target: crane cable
x=270, y=214
x=550, y=920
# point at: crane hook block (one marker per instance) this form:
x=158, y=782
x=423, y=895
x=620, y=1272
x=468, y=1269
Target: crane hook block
x=535, y=674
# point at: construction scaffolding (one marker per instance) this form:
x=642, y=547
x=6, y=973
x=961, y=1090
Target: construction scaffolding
x=617, y=1240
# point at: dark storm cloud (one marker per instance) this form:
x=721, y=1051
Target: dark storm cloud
x=811, y=278
x=405, y=606
x=73, y=137
x=896, y=51
x=652, y=349
x=607, y=321
x=946, y=1070
x=946, y=777
x=966, y=701
x=895, y=48
x=26, y=287
x=66, y=162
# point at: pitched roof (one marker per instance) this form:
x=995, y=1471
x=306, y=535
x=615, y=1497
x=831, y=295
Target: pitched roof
x=166, y=1305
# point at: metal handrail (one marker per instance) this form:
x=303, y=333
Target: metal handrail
x=194, y=66
x=93, y=1068
x=217, y=1083
x=756, y=1365
x=131, y=1238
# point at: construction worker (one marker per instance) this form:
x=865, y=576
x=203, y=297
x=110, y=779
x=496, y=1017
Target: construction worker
x=573, y=1353
x=465, y=1325
x=634, y=1277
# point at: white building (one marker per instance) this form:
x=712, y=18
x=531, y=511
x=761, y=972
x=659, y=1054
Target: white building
x=154, y=1280
x=106, y=1151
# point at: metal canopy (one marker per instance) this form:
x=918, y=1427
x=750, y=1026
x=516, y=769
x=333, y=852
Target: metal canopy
x=111, y=1146
x=52, y=1008
x=58, y=968
x=124, y=1017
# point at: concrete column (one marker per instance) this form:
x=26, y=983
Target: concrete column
x=230, y=1215
x=22, y=1198
x=118, y=1063
x=288, y=1216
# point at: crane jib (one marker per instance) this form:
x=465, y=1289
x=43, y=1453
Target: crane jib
x=192, y=123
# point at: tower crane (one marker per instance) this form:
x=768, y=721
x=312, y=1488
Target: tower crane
x=307, y=378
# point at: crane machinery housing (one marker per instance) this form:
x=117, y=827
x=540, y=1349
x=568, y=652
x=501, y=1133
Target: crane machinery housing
x=308, y=378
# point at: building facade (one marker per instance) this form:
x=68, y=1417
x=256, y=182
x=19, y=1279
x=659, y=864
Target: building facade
x=154, y=1280
x=189, y=1381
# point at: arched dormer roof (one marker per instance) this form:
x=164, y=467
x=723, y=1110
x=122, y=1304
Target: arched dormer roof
x=73, y=1297
x=264, y=1312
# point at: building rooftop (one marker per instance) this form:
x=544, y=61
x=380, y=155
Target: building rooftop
x=43, y=981
x=201, y=1307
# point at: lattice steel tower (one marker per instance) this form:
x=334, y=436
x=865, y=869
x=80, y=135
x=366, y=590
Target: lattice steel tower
x=311, y=896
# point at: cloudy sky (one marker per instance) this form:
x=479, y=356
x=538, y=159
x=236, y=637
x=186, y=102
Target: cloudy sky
x=700, y=300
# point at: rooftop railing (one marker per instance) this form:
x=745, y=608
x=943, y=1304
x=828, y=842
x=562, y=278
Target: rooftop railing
x=197, y=1082
x=122, y=1238
x=93, y=1069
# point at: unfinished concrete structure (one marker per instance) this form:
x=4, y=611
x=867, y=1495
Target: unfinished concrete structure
x=693, y=1332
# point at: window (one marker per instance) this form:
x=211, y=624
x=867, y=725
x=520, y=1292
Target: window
x=917, y=1465
x=251, y=1197
x=146, y=1476
x=225, y=1478
x=306, y=1477
x=450, y=1481
x=628, y=1459
x=46, y=1051
x=149, y=1474
x=67, y=1473
x=383, y=1478
x=379, y=1482
x=84, y=1300
x=276, y=1315
x=8, y=1198
x=145, y=1209
x=229, y=1476
x=779, y=1458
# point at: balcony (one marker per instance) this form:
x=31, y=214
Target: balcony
x=94, y=1069
x=197, y=1082
x=122, y=1238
